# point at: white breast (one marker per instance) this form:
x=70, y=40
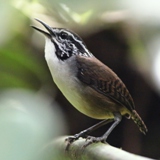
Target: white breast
x=64, y=77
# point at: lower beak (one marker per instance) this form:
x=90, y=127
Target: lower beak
x=49, y=29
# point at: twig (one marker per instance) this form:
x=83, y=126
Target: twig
x=98, y=151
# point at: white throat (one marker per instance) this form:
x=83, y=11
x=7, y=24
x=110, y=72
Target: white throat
x=61, y=70
x=50, y=55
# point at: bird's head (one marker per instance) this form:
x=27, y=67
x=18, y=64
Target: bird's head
x=66, y=43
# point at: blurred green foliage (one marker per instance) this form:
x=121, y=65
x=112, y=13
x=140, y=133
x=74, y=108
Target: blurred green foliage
x=19, y=67
x=22, y=63
x=28, y=122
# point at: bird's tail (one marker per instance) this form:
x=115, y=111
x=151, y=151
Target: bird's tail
x=139, y=122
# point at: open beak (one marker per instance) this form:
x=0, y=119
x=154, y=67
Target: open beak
x=49, y=29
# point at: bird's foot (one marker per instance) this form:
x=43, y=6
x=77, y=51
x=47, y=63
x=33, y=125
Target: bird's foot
x=71, y=139
x=91, y=139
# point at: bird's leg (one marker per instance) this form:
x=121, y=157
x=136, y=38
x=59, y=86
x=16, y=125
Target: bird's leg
x=84, y=133
x=90, y=139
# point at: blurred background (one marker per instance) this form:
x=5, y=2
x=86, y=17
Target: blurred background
x=125, y=35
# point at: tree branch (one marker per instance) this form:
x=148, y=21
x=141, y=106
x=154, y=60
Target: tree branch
x=97, y=151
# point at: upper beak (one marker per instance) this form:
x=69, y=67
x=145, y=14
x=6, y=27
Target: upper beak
x=49, y=29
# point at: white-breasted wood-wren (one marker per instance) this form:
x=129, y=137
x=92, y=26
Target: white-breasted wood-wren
x=89, y=85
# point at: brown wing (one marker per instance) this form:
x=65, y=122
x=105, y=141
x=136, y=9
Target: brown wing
x=98, y=76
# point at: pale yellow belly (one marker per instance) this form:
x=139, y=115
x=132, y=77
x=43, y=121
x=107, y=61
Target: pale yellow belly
x=83, y=101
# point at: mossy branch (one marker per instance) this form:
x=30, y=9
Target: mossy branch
x=98, y=151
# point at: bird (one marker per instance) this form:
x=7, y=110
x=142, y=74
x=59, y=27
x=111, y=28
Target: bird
x=89, y=85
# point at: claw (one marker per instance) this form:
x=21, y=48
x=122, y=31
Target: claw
x=70, y=140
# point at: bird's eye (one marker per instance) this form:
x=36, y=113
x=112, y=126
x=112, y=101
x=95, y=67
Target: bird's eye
x=64, y=35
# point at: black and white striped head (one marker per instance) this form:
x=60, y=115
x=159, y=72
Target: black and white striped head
x=66, y=42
